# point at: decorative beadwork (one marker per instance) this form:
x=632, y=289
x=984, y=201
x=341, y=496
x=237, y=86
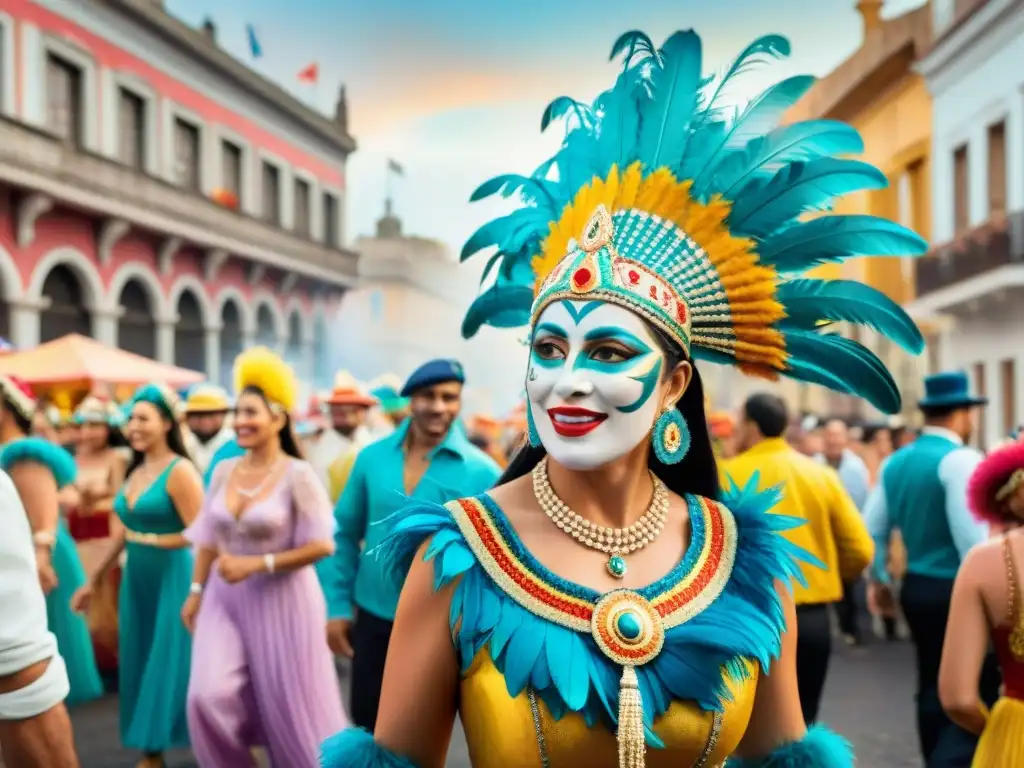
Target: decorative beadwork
x=598, y=232
x=617, y=613
x=670, y=437
x=712, y=742
x=684, y=593
x=538, y=729
x=614, y=542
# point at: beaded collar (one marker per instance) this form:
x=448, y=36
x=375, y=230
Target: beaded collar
x=687, y=590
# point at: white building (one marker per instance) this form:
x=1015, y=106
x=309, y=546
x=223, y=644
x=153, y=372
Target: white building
x=973, y=281
x=408, y=309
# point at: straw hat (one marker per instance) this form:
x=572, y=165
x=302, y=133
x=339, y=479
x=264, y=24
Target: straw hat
x=207, y=398
x=348, y=391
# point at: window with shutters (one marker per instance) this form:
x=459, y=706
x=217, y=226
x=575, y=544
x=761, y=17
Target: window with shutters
x=330, y=204
x=64, y=101
x=187, y=154
x=271, y=193
x=961, y=211
x=231, y=167
x=131, y=123
x=997, y=170
x=302, y=208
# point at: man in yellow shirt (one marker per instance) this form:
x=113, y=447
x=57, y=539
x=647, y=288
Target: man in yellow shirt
x=835, y=531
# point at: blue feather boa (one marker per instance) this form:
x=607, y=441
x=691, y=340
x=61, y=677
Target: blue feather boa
x=566, y=668
x=38, y=451
x=819, y=748
x=355, y=748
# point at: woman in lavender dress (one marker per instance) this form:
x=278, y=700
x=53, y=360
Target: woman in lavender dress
x=261, y=670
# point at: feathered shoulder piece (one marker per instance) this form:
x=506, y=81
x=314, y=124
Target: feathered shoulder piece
x=718, y=611
x=994, y=480
x=698, y=218
x=39, y=451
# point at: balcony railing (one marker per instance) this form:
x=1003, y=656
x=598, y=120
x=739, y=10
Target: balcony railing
x=995, y=244
x=34, y=160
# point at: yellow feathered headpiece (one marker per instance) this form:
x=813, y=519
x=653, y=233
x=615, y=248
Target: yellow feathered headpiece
x=261, y=369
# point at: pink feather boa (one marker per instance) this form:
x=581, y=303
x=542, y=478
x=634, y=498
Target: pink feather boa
x=993, y=472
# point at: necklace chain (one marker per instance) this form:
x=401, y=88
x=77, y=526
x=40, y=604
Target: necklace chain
x=615, y=542
x=249, y=493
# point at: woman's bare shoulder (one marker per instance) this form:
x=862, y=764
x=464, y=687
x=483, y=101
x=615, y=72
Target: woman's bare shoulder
x=515, y=498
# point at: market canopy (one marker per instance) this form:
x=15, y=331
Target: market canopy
x=80, y=362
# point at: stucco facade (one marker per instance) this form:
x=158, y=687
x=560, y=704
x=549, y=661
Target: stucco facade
x=972, y=284
x=80, y=225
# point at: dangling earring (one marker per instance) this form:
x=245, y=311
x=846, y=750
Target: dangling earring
x=531, y=428
x=670, y=437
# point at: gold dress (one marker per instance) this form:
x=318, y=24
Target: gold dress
x=540, y=684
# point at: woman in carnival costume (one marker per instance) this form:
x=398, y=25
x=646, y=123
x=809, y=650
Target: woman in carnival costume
x=100, y=457
x=262, y=672
x=39, y=470
x=988, y=607
x=557, y=613
x=161, y=497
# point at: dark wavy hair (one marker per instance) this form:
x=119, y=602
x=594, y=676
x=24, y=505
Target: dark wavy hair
x=175, y=439
x=697, y=473
x=289, y=443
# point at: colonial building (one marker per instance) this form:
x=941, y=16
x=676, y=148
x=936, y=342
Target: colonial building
x=877, y=91
x=408, y=308
x=973, y=281
x=158, y=195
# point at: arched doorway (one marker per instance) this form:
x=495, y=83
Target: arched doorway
x=189, y=334
x=293, y=347
x=136, y=329
x=230, y=339
x=266, y=328
x=321, y=365
x=66, y=311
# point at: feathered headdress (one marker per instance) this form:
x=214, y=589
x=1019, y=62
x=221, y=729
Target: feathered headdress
x=261, y=369
x=994, y=480
x=160, y=395
x=18, y=395
x=96, y=410
x=697, y=218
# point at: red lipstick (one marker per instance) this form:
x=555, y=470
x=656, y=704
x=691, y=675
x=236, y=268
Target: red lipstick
x=570, y=421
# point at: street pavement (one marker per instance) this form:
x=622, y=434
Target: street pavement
x=868, y=698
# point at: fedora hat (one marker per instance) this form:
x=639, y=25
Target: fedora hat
x=951, y=389
x=348, y=391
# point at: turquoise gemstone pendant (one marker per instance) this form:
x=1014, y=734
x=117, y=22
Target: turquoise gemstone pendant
x=617, y=566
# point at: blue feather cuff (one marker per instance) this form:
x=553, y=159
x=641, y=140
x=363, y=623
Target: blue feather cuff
x=819, y=748
x=355, y=748
x=38, y=451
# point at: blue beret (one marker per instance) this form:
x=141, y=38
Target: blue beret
x=431, y=373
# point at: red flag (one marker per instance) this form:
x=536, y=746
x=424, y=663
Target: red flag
x=310, y=74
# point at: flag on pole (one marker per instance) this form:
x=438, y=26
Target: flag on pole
x=395, y=168
x=254, y=42
x=310, y=74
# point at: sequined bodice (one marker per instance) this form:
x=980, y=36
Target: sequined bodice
x=503, y=731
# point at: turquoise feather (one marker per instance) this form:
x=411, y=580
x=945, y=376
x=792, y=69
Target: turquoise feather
x=819, y=748
x=763, y=156
x=810, y=301
x=809, y=244
x=38, y=451
x=674, y=92
x=562, y=107
x=632, y=43
x=850, y=364
x=355, y=748
x=797, y=189
x=565, y=668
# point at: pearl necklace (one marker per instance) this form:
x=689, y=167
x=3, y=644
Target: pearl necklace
x=614, y=542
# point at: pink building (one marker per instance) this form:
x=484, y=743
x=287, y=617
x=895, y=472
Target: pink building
x=126, y=140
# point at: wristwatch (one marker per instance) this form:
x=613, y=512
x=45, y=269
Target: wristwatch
x=44, y=539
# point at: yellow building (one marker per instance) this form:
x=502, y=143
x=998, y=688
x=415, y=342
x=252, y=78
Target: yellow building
x=877, y=91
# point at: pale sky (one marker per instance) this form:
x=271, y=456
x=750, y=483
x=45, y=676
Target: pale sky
x=453, y=90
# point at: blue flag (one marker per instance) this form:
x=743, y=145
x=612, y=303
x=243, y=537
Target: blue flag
x=254, y=44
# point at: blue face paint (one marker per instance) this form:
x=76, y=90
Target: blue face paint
x=578, y=314
x=640, y=351
x=547, y=330
x=649, y=381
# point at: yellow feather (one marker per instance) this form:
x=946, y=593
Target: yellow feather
x=261, y=369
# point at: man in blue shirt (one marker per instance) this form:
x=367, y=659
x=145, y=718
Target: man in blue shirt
x=427, y=458
x=922, y=491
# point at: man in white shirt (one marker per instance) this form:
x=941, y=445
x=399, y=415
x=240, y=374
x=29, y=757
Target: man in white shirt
x=35, y=730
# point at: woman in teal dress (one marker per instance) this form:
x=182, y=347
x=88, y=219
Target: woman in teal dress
x=39, y=469
x=161, y=497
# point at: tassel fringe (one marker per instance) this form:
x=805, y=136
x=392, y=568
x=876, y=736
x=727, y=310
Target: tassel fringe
x=630, y=734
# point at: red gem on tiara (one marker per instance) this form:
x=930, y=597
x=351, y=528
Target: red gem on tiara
x=581, y=277
x=654, y=292
x=634, y=277
x=681, y=312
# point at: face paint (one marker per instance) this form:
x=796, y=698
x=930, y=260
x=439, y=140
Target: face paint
x=594, y=373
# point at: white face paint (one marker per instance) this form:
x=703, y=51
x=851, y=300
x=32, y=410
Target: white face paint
x=594, y=373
